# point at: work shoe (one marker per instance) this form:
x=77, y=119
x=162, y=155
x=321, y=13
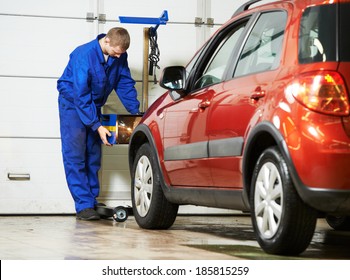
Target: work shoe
x=88, y=214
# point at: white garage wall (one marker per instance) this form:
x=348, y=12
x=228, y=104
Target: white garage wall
x=36, y=41
x=37, y=37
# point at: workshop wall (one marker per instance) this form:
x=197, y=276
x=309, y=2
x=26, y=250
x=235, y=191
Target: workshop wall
x=37, y=37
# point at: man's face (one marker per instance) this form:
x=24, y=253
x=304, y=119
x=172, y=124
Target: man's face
x=114, y=51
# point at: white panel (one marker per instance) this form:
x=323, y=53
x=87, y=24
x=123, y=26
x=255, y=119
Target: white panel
x=67, y=8
x=28, y=108
x=38, y=37
x=115, y=175
x=39, y=46
x=46, y=191
x=178, y=11
x=223, y=10
x=177, y=44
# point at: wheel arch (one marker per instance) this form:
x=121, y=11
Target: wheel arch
x=143, y=134
x=140, y=135
x=261, y=137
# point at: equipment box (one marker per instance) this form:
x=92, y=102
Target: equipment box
x=121, y=127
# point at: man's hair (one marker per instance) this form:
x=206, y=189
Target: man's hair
x=119, y=36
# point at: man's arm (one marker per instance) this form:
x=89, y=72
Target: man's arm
x=126, y=91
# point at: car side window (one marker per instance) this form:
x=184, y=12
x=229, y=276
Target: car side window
x=215, y=67
x=262, y=49
x=317, y=34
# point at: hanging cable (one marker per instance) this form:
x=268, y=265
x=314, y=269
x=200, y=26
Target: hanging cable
x=154, y=53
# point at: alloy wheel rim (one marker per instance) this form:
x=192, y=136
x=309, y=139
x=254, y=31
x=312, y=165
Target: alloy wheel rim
x=143, y=186
x=268, y=200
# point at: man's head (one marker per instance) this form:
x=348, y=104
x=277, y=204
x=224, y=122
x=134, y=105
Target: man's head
x=117, y=41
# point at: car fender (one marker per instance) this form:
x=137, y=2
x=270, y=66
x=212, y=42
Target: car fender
x=142, y=134
x=262, y=136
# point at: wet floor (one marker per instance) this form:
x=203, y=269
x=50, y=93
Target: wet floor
x=190, y=238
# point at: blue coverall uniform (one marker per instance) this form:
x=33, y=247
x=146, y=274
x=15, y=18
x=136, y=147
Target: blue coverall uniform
x=84, y=87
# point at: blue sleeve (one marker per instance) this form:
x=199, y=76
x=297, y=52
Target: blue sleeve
x=126, y=91
x=83, y=101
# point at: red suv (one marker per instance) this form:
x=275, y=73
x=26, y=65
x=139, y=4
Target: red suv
x=258, y=121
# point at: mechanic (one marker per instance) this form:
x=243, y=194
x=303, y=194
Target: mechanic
x=93, y=71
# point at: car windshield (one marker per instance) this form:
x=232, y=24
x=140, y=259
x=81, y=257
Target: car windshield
x=318, y=34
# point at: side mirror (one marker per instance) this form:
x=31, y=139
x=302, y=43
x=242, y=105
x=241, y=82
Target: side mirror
x=173, y=78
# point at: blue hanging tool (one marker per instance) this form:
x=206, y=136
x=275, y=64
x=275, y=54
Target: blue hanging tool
x=162, y=20
x=155, y=53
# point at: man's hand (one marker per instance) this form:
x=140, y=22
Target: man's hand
x=104, y=133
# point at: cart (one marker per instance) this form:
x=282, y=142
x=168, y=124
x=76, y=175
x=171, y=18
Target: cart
x=119, y=214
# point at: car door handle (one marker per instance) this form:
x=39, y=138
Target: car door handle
x=258, y=93
x=204, y=104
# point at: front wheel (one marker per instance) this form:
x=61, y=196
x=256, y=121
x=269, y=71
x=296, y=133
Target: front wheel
x=150, y=207
x=282, y=222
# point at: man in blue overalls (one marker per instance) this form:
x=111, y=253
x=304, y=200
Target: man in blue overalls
x=93, y=71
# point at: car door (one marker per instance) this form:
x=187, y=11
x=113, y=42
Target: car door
x=185, y=141
x=185, y=126
x=238, y=105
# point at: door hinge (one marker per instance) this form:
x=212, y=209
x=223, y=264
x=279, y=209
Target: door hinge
x=102, y=18
x=198, y=21
x=210, y=22
x=90, y=17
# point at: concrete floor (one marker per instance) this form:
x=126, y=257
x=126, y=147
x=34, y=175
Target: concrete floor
x=190, y=238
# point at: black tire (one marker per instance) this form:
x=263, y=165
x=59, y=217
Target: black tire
x=338, y=222
x=150, y=207
x=283, y=223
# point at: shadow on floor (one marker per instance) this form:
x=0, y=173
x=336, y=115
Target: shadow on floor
x=326, y=243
